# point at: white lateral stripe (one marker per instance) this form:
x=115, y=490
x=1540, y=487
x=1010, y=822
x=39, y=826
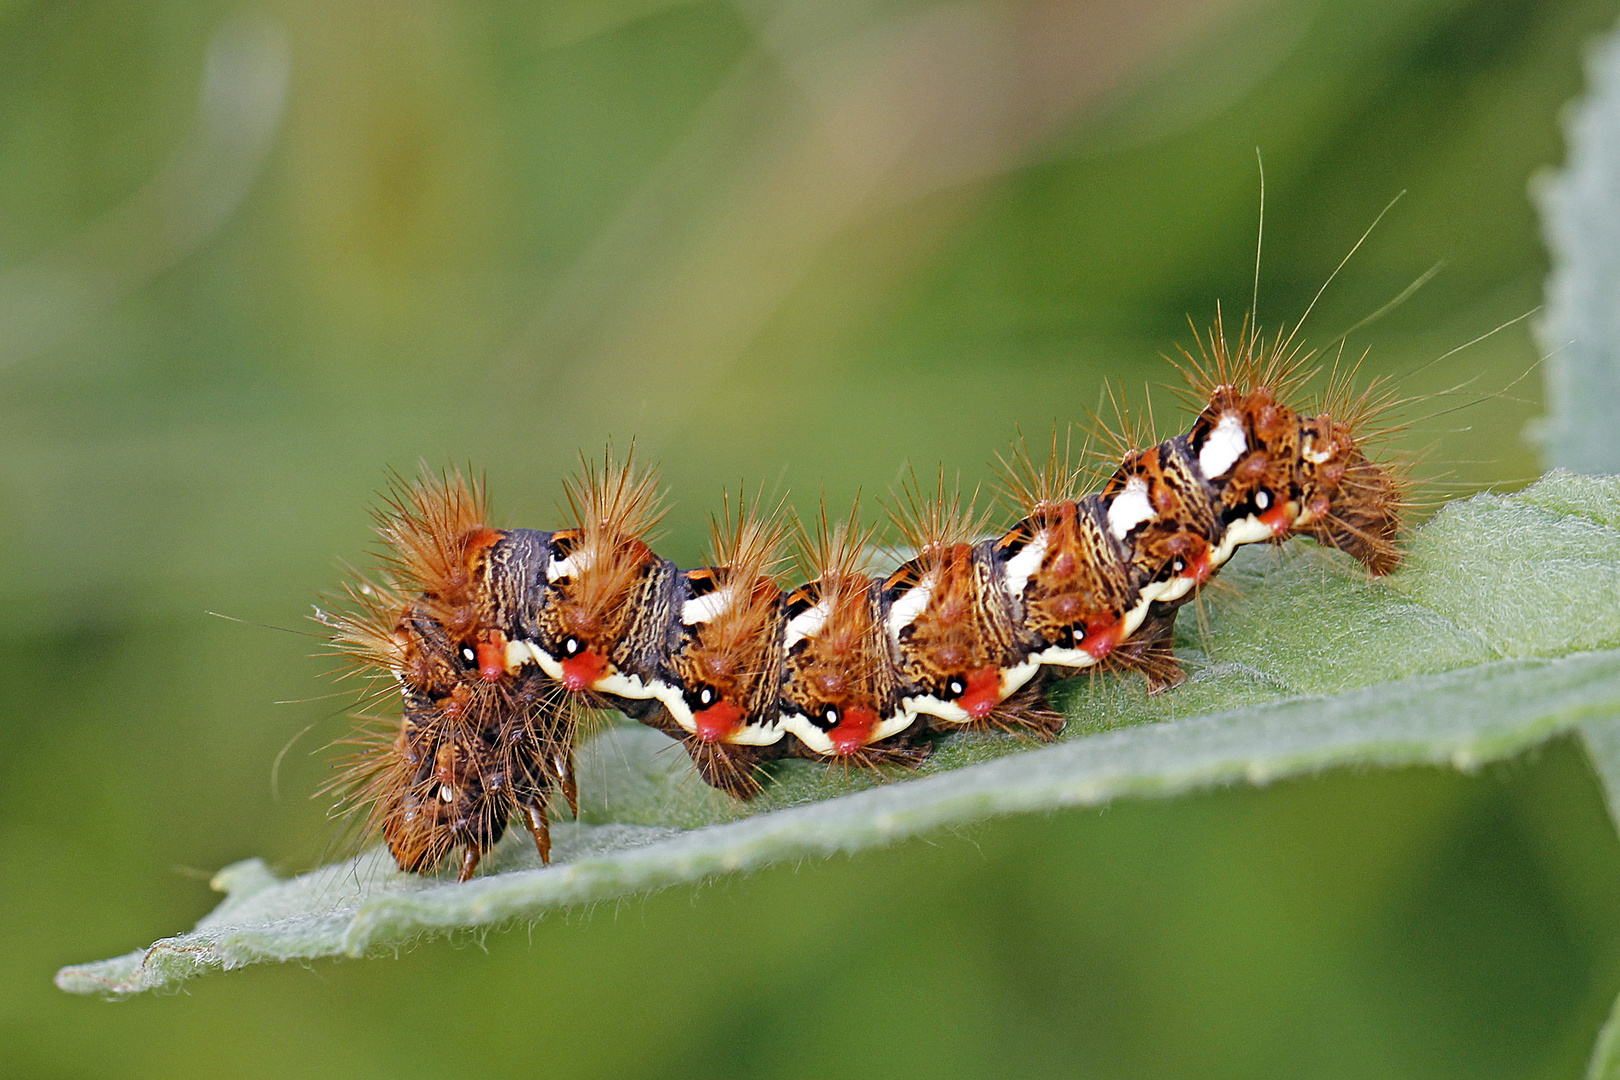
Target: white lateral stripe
x=894, y=725
x=519, y=653
x=1249, y=530
x=673, y=700
x=674, y=703
x=1058, y=656
x=1224, y=446
x=1133, y=618
x=616, y=682
x=806, y=624
x=547, y=662
x=1061, y=657
x=1130, y=508
x=799, y=726
x=668, y=695
x=1172, y=589
x=1158, y=590
x=626, y=686
x=757, y=735
x=1010, y=680
x=929, y=705
x=1013, y=678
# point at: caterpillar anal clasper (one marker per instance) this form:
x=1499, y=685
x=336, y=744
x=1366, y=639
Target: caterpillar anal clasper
x=495, y=638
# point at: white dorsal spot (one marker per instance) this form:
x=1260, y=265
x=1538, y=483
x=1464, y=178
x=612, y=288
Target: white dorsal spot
x=1130, y=508
x=708, y=606
x=904, y=611
x=1024, y=564
x=578, y=562
x=806, y=624
x=1223, y=447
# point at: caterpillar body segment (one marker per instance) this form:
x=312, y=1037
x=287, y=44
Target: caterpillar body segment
x=956, y=634
x=954, y=629
x=840, y=685
x=723, y=674
x=1072, y=583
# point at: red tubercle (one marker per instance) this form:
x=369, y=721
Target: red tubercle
x=581, y=672
x=456, y=703
x=854, y=730
x=1102, y=634
x=1278, y=519
x=491, y=651
x=983, y=693
x=718, y=721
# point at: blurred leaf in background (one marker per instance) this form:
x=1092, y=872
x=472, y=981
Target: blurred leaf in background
x=252, y=258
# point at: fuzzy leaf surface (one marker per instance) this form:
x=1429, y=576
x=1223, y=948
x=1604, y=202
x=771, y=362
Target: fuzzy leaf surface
x=1580, y=217
x=1502, y=630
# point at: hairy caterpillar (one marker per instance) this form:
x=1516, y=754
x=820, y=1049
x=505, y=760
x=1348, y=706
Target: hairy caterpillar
x=496, y=637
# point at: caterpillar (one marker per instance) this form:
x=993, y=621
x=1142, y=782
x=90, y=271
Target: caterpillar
x=494, y=640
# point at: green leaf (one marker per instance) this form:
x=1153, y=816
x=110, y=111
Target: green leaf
x=1503, y=630
x=1580, y=216
x=1605, y=1060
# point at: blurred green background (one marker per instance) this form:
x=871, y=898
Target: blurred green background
x=251, y=259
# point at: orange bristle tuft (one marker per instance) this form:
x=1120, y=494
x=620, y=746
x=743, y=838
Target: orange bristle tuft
x=837, y=560
x=1225, y=372
x=435, y=531
x=1028, y=486
x=930, y=524
x=1117, y=432
x=749, y=550
x=615, y=509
